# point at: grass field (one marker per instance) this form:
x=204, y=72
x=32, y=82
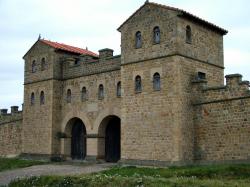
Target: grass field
x=13, y=163
x=192, y=176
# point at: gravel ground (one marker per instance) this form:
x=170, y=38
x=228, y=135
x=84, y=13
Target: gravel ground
x=7, y=176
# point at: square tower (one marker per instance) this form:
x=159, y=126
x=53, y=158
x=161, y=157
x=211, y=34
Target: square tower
x=162, y=51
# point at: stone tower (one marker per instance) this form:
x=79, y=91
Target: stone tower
x=41, y=85
x=162, y=101
x=157, y=40
x=43, y=94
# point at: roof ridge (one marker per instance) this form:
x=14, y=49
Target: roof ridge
x=67, y=47
x=63, y=44
x=183, y=13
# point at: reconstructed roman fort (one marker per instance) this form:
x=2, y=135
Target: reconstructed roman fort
x=163, y=100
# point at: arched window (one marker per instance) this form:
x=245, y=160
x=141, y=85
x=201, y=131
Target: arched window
x=101, y=92
x=33, y=66
x=156, y=35
x=138, y=39
x=188, y=34
x=157, y=81
x=43, y=64
x=138, y=84
x=84, y=94
x=42, y=98
x=118, y=89
x=32, y=98
x=68, y=98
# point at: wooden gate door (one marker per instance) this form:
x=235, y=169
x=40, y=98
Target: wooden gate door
x=112, y=141
x=78, y=141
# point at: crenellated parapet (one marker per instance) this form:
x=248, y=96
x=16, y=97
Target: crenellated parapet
x=88, y=65
x=10, y=132
x=235, y=88
x=13, y=116
x=221, y=120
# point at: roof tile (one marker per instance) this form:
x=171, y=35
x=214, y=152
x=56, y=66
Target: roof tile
x=68, y=48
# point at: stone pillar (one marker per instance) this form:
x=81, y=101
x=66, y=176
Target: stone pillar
x=91, y=148
x=70, y=61
x=233, y=80
x=244, y=85
x=105, y=53
x=14, y=109
x=197, y=87
x=3, y=111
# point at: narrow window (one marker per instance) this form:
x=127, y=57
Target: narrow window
x=32, y=98
x=43, y=64
x=188, y=35
x=118, y=89
x=77, y=62
x=84, y=94
x=33, y=66
x=138, y=84
x=156, y=35
x=68, y=98
x=138, y=40
x=42, y=98
x=101, y=92
x=157, y=82
x=201, y=76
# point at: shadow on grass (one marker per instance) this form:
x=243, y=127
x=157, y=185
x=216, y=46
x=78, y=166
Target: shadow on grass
x=13, y=163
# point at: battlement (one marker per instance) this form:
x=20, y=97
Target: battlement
x=89, y=65
x=105, y=53
x=234, y=88
x=14, y=115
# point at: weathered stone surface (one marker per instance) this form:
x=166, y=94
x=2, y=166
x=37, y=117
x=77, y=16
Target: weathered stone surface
x=189, y=119
x=10, y=134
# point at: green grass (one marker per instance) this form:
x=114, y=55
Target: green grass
x=214, y=171
x=192, y=176
x=13, y=163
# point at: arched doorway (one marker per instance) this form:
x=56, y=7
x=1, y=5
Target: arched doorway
x=75, y=144
x=78, y=140
x=109, y=144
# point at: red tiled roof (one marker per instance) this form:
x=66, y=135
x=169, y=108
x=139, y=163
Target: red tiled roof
x=68, y=48
x=181, y=13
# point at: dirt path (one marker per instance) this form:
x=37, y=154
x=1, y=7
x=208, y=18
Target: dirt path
x=7, y=176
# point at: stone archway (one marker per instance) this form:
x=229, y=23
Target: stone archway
x=109, y=141
x=75, y=141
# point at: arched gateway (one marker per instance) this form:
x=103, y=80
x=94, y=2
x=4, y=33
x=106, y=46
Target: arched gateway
x=76, y=142
x=109, y=143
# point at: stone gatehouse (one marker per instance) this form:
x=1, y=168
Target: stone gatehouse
x=163, y=100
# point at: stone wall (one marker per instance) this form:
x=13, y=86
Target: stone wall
x=37, y=118
x=92, y=110
x=221, y=121
x=90, y=67
x=206, y=45
x=39, y=51
x=187, y=71
x=150, y=117
x=158, y=125
x=187, y=118
x=10, y=134
x=144, y=21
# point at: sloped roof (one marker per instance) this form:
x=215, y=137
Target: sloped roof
x=182, y=13
x=68, y=48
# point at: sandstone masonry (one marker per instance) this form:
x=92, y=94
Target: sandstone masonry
x=162, y=101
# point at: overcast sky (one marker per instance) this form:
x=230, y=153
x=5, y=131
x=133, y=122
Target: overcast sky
x=93, y=24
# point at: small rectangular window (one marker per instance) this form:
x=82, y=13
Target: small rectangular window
x=201, y=76
x=77, y=62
